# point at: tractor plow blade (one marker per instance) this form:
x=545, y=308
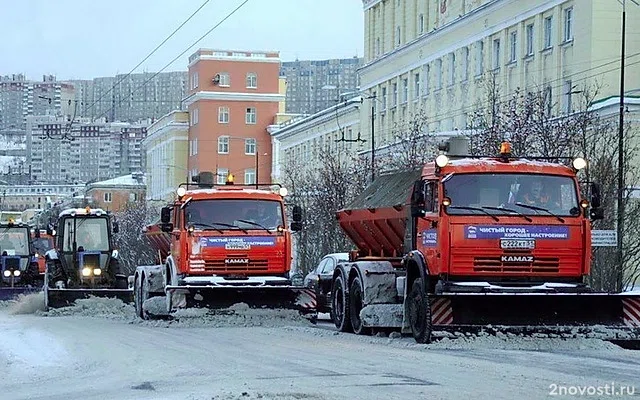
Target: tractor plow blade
x=598, y=315
x=12, y=293
x=57, y=298
x=271, y=297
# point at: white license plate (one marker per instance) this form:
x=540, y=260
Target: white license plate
x=237, y=246
x=517, y=244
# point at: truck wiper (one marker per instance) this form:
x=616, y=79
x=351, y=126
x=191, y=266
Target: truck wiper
x=206, y=226
x=475, y=209
x=254, y=224
x=509, y=210
x=212, y=226
x=540, y=209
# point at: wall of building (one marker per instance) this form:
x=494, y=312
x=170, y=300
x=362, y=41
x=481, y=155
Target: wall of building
x=114, y=198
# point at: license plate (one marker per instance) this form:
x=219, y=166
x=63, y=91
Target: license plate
x=517, y=244
x=237, y=246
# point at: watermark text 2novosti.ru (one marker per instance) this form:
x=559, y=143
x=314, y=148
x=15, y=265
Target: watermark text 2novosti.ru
x=609, y=389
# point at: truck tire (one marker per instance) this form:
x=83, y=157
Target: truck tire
x=419, y=312
x=356, y=294
x=340, y=305
x=137, y=296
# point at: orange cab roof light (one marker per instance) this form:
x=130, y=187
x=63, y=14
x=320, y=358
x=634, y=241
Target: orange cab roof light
x=505, y=148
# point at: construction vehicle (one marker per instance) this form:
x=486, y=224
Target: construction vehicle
x=42, y=242
x=223, y=244
x=84, y=261
x=18, y=265
x=461, y=244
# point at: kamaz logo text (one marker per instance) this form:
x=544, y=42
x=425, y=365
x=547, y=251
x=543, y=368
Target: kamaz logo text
x=236, y=261
x=516, y=259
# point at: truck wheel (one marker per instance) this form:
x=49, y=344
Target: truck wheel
x=340, y=305
x=137, y=295
x=419, y=312
x=356, y=294
x=144, y=296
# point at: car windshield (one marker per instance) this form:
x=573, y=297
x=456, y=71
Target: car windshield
x=234, y=214
x=15, y=241
x=90, y=233
x=528, y=194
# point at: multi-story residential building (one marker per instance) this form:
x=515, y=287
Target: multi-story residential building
x=22, y=197
x=82, y=152
x=442, y=56
x=233, y=97
x=298, y=142
x=166, y=153
x=316, y=85
x=20, y=98
x=117, y=193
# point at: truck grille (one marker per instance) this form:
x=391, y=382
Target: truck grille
x=495, y=264
x=221, y=266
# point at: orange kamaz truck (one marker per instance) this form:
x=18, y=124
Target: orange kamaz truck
x=467, y=243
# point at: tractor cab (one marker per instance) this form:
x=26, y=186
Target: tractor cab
x=17, y=263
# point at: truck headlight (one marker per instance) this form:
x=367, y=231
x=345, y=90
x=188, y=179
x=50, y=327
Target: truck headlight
x=6, y=273
x=97, y=272
x=16, y=273
x=86, y=271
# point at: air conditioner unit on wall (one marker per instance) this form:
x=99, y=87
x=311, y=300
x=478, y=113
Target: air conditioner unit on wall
x=216, y=79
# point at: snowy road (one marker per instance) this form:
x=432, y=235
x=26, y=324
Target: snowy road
x=78, y=357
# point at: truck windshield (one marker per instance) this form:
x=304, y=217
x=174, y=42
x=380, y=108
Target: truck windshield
x=91, y=234
x=15, y=241
x=527, y=194
x=42, y=244
x=234, y=214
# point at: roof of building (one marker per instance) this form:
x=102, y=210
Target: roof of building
x=121, y=181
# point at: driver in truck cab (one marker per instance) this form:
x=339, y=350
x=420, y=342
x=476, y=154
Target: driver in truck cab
x=536, y=195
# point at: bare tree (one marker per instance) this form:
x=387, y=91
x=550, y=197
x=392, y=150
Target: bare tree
x=413, y=144
x=133, y=247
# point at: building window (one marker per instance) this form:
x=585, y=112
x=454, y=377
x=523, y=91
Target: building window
x=452, y=69
x=416, y=87
x=568, y=88
x=548, y=24
x=405, y=90
x=465, y=63
x=377, y=46
x=250, y=117
x=384, y=98
x=223, y=145
x=225, y=80
x=250, y=146
x=480, y=58
x=107, y=197
x=548, y=105
x=250, y=176
x=194, y=116
x=195, y=146
x=513, y=43
x=252, y=81
x=568, y=24
x=398, y=39
x=425, y=77
x=438, y=74
x=133, y=197
x=420, y=24
x=222, y=174
x=194, y=80
x=496, y=54
x=529, y=39
x=395, y=95
x=223, y=115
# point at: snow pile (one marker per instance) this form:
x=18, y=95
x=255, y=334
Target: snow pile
x=239, y=314
x=101, y=307
x=26, y=304
x=269, y=396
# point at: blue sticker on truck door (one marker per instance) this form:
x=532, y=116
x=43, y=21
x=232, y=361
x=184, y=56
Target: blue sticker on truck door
x=239, y=242
x=555, y=232
x=430, y=238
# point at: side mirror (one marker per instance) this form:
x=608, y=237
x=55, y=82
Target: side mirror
x=596, y=213
x=168, y=227
x=595, y=195
x=296, y=226
x=297, y=214
x=165, y=215
x=116, y=227
x=418, y=203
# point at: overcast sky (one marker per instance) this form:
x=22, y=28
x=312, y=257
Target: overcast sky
x=83, y=39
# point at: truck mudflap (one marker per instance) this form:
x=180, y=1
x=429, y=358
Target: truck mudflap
x=217, y=297
x=12, y=293
x=57, y=298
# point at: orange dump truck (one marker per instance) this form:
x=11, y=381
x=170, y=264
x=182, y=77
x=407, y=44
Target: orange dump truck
x=223, y=244
x=468, y=243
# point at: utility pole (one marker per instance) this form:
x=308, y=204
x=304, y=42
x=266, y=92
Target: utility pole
x=373, y=138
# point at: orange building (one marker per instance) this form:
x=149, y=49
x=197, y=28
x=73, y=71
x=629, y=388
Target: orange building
x=116, y=194
x=233, y=97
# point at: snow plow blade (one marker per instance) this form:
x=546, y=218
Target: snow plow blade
x=218, y=297
x=57, y=298
x=601, y=315
x=12, y=293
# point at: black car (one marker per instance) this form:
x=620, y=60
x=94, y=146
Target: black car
x=322, y=276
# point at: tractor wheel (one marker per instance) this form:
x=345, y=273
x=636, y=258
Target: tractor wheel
x=137, y=296
x=340, y=305
x=356, y=295
x=419, y=312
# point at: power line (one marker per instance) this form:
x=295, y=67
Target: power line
x=181, y=54
x=149, y=55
